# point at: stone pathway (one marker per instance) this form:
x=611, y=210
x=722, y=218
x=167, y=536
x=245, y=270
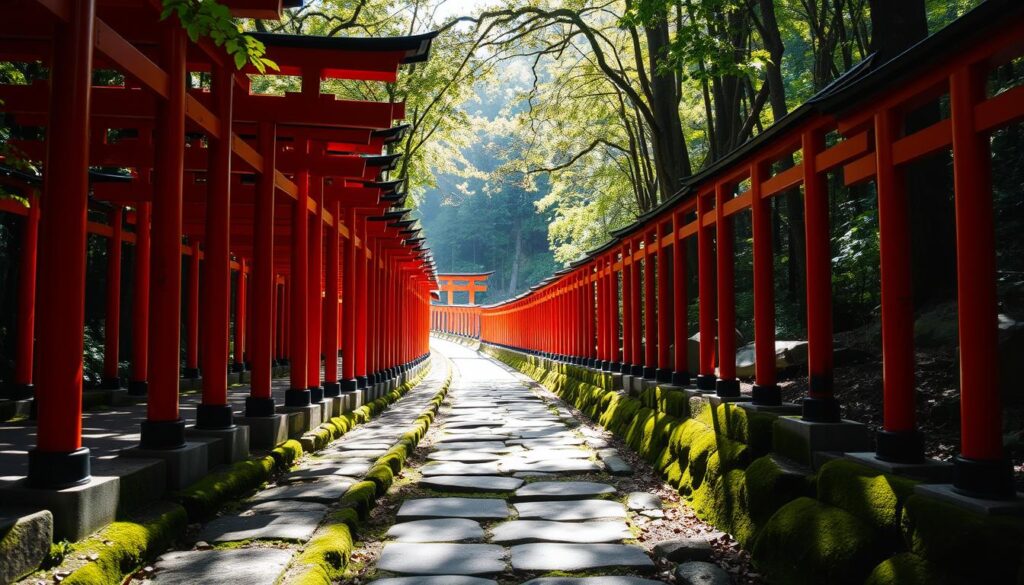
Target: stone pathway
x=254, y=544
x=510, y=493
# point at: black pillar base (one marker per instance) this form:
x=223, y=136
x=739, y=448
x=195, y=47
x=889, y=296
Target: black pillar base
x=625, y=368
x=190, y=373
x=768, y=395
x=237, y=368
x=19, y=391
x=706, y=382
x=349, y=385
x=604, y=365
x=636, y=370
x=332, y=389
x=163, y=434
x=259, y=407
x=361, y=381
x=214, y=416
x=110, y=384
x=614, y=367
x=727, y=388
x=680, y=378
x=990, y=479
x=899, y=447
x=283, y=361
x=297, y=397
x=58, y=470
x=650, y=372
x=821, y=410
x=138, y=387
x=316, y=394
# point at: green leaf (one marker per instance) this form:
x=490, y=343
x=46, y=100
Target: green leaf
x=240, y=60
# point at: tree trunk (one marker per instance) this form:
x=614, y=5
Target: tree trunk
x=516, y=251
x=671, y=158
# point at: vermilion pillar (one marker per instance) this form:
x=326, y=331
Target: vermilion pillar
x=59, y=460
x=727, y=384
x=680, y=307
x=602, y=316
x=982, y=467
x=613, y=316
x=241, y=316
x=635, y=332
x=192, y=316
x=298, y=394
x=650, y=325
x=627, y=312
x=820, y=404
x=112, y=322
x=214, y=412
x=765, y=390
x=664, y=373
x=360, y=302
x=314, y=307
x=26, y=317
x=138, y=381
x=706, y=290
x=260, y=402
x=163, y=428
x=899, y=440
x=331, y=296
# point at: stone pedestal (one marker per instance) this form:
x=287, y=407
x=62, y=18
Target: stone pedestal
x=799, y=440
x=184, y=465
x=77, y=511
x=784, y=409
x=234, y=442
x=265, y=432
x=717, y=400
x=309, y=418
x=947, y=493
x=929, y=471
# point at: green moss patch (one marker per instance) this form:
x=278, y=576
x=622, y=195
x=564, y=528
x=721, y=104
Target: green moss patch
x=872, y=496
x=905, y=569
x=204, y=497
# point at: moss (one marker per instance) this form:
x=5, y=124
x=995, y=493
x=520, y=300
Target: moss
x=325, y=556
x=671, y=402
x=287, y=453
x=905, y=569
x=790, y=444
x=947, y=535
x=204, y=497
x=382, y=477
x=745, y=426
x=130, y=544
x=866, y=493
x=807, y=541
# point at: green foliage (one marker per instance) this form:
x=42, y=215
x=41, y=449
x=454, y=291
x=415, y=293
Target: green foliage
x=212, y=20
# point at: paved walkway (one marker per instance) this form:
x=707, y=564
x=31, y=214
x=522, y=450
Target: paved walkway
x=255, y=543
x=512, y=492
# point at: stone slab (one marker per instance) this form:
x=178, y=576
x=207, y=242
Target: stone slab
x=510, y=465
x=681, y=550
x=643, y=501
x=571, y=510
x=442, y=559
x=930, y=471
x=471, y=483
x=617, y=465
x=282, y=506
x=285, y=526
x=701, y=573
x=436, y=530
x=465, y=455
x=234, y=442
x=473, y=508
x=607, y=580
x=323, y=491
x=435, y=580
x=562, y=490
x=550, y=556
x=496, y=446
x=455, y=468
x=521, y=531
x=243, y=566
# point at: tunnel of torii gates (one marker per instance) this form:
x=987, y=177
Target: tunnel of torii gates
x=458, y=319
x=287, y=191
x=623, y=306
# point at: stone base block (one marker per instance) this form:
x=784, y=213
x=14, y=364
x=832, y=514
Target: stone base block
x=784, y=409
x=11, y=409
x=185, y=465
x=185, y=384
x=77, y=511
x=234, y=378
x=717, y=400
x=798, y=439
x=234, y=442
x=350, y=401
x=617, y=383
x=142, y=481
x=931, y=471
x=947, y=493
x=25, y=537
x=265, y=432
x=333, y=407
x=309, y=417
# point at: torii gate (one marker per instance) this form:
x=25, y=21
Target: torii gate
x=460, y=320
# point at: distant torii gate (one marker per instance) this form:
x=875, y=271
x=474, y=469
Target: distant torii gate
x=473, y=283
x=452, y=318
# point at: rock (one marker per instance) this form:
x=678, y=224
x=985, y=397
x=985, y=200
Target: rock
x=25, y=537
x=442, y=559
x=571, y=510
x=474, y=508
x=653, y=513
x=471, y=483
x=436, y=530
x=464, y=455
x=323, y=491
x=682, y=550
x=550, y=556
x=608, y=580
x=701, y=573
x=495, y=446
x=617, y=465
x=454, y=468
x=562, y=490
x=242, y=566
x=282, y=506
x=520, y=531
x=643, y=501
x=287, y=526
x=514, y=464
x=435, y=580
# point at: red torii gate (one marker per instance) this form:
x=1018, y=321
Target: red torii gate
x=459, y=319
x=305, y=166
